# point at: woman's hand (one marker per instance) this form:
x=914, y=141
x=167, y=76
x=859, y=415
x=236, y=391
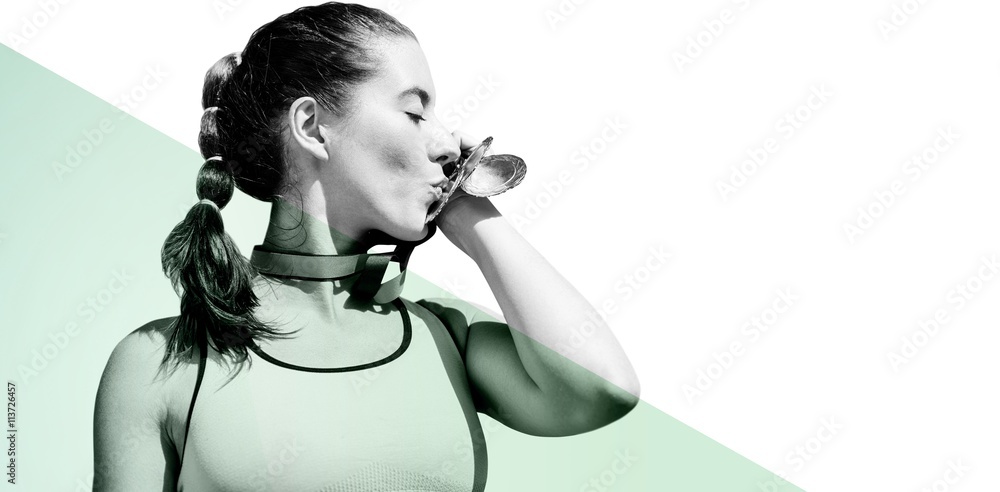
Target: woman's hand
x=463, y=211
x=465, y=145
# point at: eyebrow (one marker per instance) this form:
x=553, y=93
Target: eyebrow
x=419, y=92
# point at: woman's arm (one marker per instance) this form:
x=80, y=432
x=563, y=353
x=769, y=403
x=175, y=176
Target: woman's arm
x=523, y=375
x=132, y=450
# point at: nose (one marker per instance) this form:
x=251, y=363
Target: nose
x=443, y=148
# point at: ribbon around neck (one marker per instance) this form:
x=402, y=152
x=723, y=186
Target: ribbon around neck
x=370, y=266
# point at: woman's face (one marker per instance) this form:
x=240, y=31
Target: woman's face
x=386, y=156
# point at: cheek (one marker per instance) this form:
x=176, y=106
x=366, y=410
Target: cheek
x=379, y=167
x=402, y=170
x=396, y=189
x=385, y=143
x=395, y=161
x=390, y=170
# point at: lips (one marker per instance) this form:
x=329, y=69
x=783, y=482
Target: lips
x=434, y=196
x=440, y=192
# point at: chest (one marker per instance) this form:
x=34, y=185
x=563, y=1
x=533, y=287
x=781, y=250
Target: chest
x=405, y=424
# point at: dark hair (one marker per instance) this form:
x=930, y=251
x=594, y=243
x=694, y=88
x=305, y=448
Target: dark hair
x=323, y=51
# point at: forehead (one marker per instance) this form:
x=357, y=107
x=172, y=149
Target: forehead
x=403, y=67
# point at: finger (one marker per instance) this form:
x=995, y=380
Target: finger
x=465, y=141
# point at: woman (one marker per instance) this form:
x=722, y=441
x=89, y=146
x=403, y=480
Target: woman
x=328, y=114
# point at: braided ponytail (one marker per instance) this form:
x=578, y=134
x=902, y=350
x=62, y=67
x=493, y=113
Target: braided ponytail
x=206, y=268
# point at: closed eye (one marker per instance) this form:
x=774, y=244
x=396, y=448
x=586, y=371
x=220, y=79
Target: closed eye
x=416, y=117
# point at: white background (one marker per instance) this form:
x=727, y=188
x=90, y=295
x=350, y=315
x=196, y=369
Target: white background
x=559, y=80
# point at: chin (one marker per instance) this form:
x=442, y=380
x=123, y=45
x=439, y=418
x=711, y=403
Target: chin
x=413, y=230
x=418, y=234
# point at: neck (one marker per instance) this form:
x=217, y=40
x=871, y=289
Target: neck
x=292, y=230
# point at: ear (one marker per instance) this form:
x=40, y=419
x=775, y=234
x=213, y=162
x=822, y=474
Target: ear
x=305, y=115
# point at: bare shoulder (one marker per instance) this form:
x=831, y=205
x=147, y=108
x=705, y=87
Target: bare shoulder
x=441, y=313
x=452, y=306
x=137, y=357
x=136, y=412
x=136, y=386
x=457, y=316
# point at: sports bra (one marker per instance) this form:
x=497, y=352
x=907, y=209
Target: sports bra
x=403, y=422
